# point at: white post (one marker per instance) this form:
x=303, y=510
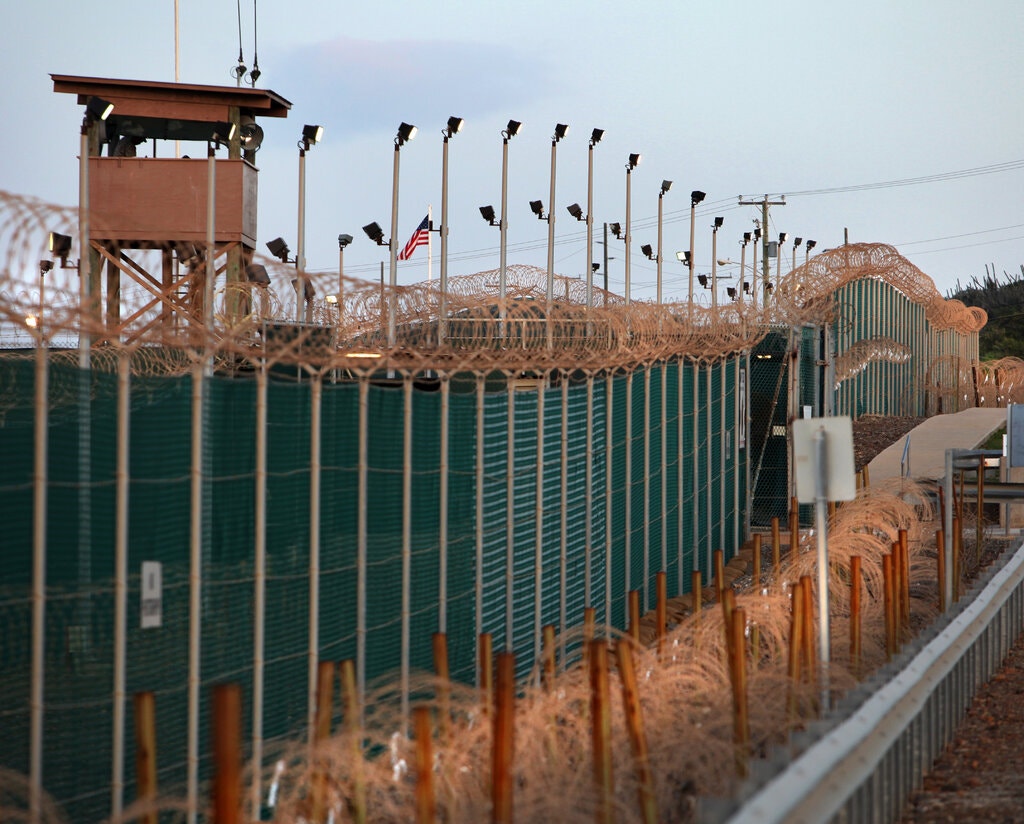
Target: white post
x=362, y=438
x=679, y=478
x=406, y=543
x=628, y=496
x=721, y=457
x=120, y=580
x=588, y=485
x=664, y=467
x=195, y=587
x=696, y=471
x=259, y=588
x=538, y=515
x=563, y=530
x=442, y=538
x=647, y=489
x=39, y=499
x=316, y=398
x=479, y=519
x=608, y=496
x=510, y=514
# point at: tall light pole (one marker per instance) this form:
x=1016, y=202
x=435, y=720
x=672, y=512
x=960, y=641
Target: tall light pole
x=311, y=135
x=743, y=265
x=695, y=198
x=632, y=163
x=453, y=128
x=343, y=241
x=778, y=259
x=507, y=134
x=796, y=243
x=406, y=132
x=753, y=267
x=807, y=249
x=560, y=131
x=714, y=261
x=665, y=186
x=595, y=138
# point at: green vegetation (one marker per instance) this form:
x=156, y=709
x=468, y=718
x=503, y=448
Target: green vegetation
x=1003, y=299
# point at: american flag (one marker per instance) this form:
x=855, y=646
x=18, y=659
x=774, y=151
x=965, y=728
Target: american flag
x=421, y=237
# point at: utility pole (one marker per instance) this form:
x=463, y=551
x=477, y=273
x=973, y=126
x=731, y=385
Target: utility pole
x=764, y=203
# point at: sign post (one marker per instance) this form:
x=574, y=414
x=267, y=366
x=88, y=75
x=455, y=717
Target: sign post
x=823, y=462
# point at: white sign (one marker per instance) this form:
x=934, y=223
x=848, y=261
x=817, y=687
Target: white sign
x=839, y=481
x=151, y=611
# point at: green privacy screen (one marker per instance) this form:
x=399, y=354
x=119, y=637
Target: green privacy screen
x=665, y=490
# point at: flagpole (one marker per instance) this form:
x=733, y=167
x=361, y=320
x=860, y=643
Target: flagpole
x=430, y=243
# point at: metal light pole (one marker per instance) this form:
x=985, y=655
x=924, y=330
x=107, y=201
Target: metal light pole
x=665, y=186
x=807, y=249
x=406, y=132
x=753, y=269
x=560, y=131
x=796, y=243
x=453, y=128
x=695, y=198
x=778, y=259
x=634, y=160
x=343, y=241
x=595, y=138
x=714, y=262
x=743, y=264
x=506, y=134
x=311, y=135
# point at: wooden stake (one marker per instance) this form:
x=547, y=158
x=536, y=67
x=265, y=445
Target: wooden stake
x=144, y=704
x=353, y=726
x=485, y=667
x=757, y=562
x=227, y=753
x=548, y=647
x=601, y=731
x=796, y=645
x=776, y=545
x=502, y=761
x=637, y=739
x=958, y=543
x=940, y=558
x=633, y=606
x=589, y=620
x=794, y=526
x=887, y=594
x=425, y=805
x=444, y=686
x=855, y=616
x=810, y=656
x=661, y=609
x=697, y=592
x=867, y=477
x=904, y=581
x=979, y=514
x=897, y=592
x=738, y=673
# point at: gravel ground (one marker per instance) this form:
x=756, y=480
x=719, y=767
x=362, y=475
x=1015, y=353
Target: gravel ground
x=873, y=433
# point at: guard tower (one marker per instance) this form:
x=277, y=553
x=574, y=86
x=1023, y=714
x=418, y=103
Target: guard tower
x=159, y=201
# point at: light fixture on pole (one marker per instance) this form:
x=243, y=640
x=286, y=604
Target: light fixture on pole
x=631, y=164
x=406, y=132
x=796, y=244
x=695, y=198
x=714, y=261
x=744, y=283
x=665, y=186
x=778, y=258
x=561, y=130
x=511, y=130
x=311, y=135
x=807, y=249
x=453, y=128
x=343, y=241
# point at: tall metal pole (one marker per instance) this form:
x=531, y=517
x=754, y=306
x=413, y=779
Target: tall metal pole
x=551, y=221
x=393, y=247
x=714, y=264
x=300, y=243
x=629, y=178
x=661, y=197
x=594, y=138
x=506, y=135
x=453, y=127
x=313, y=651
x=606, y=262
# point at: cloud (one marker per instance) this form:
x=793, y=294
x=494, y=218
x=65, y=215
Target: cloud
x=366, y=84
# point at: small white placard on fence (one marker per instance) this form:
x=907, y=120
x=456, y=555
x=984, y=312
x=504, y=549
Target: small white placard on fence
x=840, y=484
x=152, y=607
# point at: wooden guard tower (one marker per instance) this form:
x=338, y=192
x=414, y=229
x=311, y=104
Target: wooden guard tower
x=160, y=202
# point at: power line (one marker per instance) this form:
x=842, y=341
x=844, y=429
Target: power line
x=995, y=168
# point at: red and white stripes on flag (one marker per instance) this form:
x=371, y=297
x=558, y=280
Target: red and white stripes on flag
x=421, y=237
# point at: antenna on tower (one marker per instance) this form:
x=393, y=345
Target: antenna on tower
x=254, y=75
x=238, y=72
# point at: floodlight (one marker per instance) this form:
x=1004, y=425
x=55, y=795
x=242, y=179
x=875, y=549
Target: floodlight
x=98, y=109
x=406, y=132
x=223, y=132
x=278, y=248
x=746, y=238
x=257, y=273
x=757, y=233
x=682, y=256
x=576, y=211
x=60, y=246
x=665, y=186
x=312, y=134
x=560, y=131
x=616, y=229
x=595, y=136
x=731, y=292
x=537, y=207
x=454, y=126
x=703, y=280
x=308, y=290
x=344, y=240
x=647, y=251
x=696, y=197
x=513, y=128
x=45, y=266
x=810, y=245
x=375, y=233
x=595, y=266
x=487, y=212
x=782, y=237
x=634, y=161
x=797, y=241
x=331, y=298
x=718, y=222
x=251, y=137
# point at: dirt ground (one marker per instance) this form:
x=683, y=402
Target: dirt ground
x=873, y=433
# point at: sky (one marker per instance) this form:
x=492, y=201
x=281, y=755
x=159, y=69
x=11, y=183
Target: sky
x=891, y=121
